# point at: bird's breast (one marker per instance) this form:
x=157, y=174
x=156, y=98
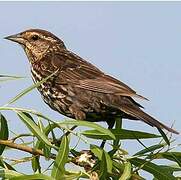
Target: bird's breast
x=54, y=96
x=47, y=88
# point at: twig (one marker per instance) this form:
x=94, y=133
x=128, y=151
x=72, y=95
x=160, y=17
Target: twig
x=24, y=148
x=36, y=152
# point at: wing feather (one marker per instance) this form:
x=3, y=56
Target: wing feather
x=84, y=75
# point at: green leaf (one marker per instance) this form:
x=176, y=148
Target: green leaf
x=46, y=131
x=4, y=164
x=157, y=171
x=47, y=151
x=8, y=78
x=75, y=153
x=170, y=169
x=33, y=177
x=58, y=170
x=40, y=145
x=35, y=163
x=118, y=126
x=127, y=171
x=4, y=134
x=99, y=128
x=119, y=169
x=98, y=152
x=108, y=162
x=118, y=166
x=173, y=156
x=27, y=90
x=149, y=149
x=119, y=134
x=26, y=118
x=8, y=174
x=75, y=175
x=103, y=167
x=164, y=136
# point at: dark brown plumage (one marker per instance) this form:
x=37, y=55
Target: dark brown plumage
x=78, y=90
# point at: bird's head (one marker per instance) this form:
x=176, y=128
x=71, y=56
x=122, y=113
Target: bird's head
x=37, y=43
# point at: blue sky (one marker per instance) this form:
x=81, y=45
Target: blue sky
x=136, y=42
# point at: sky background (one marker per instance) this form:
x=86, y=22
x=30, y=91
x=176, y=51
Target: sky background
x=136, y=42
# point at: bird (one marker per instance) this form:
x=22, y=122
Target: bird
x=78, y=89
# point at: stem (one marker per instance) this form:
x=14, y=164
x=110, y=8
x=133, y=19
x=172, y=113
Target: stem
x=24, y=148
x=36, y=152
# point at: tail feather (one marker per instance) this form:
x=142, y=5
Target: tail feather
x=138, y=113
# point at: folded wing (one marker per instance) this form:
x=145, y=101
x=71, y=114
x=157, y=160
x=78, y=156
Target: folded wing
x=86, y=76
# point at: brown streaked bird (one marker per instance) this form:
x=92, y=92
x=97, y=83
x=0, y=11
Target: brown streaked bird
x=79, y=90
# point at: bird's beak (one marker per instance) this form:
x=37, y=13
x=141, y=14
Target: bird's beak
x=16, y=38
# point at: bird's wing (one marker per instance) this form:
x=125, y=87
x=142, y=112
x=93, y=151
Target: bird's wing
x=86, y=76
x=106, y=85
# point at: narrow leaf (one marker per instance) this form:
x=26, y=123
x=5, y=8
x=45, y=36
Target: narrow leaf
x=75, y=175
x=75, y=153
x=118, y=126
x=46, y=131
x=98, y=152
x=149, y=149
x=164, y=136
x=47, y=151
x=157, y=171
x=9, y=78
x=172, y=156
x=170, y=169
x=103, y=167
x=99, y=128
x=34, y=128
x=35, y=163
x=58, y=170
x=27, y=90
x=4, y=164
x=108, y=162
x=119, y=166
x=33, y=177
x=127, y=172
x=119, y=134
x=4, y=134
x=8, y=174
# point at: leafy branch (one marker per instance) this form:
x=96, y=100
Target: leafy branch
x=51, y=139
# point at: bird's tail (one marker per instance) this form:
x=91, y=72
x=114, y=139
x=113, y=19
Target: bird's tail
x=138, y=113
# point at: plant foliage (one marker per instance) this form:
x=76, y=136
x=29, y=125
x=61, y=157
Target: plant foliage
x=52, y=156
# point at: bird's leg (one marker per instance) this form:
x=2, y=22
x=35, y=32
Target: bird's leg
x=110, y=126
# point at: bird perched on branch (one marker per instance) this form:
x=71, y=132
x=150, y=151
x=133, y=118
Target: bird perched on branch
x=78, y=89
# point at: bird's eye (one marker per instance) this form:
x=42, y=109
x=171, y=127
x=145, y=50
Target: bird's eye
x=35, y=37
